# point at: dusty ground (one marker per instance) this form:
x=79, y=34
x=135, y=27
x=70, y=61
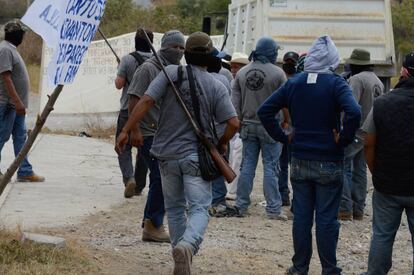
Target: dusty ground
x=252, y=245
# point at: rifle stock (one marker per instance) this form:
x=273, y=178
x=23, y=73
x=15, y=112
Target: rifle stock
x=221, y=163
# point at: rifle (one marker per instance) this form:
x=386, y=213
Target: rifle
x=220, y=162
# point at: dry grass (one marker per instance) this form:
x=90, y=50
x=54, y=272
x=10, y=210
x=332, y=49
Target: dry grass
x=29, y=258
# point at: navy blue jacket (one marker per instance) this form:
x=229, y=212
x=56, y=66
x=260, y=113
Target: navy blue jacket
x=315, y=111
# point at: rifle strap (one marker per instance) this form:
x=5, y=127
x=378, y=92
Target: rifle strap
x=196, y=104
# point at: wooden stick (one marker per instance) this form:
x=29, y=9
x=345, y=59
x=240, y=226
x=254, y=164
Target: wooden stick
x=107, y=42
x=31, y=139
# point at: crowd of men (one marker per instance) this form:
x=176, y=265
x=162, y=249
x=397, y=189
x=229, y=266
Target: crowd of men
x=326, y=127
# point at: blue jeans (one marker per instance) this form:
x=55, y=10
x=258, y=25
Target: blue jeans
x=182, y=185
x=219, y=191
x=355, y=183
x=317, y=188
x=387, y=212
x=154, y=208
x=14, y=125
x=255, y=139
x=125, y=158
x=284, y=173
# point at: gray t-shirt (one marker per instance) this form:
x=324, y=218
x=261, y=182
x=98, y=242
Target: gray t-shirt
x=175, y=137
x=253, y=84
x=369, y=124
x=220, y=127
x=227, y=74
x=126, y=70
x=143, y=77
x=366, y=86
x=10, y=60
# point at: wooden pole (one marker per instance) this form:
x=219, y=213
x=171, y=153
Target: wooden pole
x=31, y=139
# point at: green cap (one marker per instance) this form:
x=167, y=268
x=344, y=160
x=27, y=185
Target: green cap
x=359, y=57
x=14, y=26
x=199, y=42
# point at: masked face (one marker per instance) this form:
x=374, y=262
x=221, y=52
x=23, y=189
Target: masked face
x=289, y=68
x=16, y=38
x=174, y=55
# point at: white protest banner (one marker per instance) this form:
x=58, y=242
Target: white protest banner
x=68, y=27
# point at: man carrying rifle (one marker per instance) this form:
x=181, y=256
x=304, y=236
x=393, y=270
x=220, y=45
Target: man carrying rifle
x=172, y=50
x=176, y=144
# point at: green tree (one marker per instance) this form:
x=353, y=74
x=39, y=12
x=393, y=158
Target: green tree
x=403, y=24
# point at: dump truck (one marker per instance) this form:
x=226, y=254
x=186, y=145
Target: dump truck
x=295, y=24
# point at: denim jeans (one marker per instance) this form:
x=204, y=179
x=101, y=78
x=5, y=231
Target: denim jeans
x=284, y=173
x=317, y=188
x=387, y=212
x=125, y=159
x=219, y=191
x=355, y=183
x=182, y=185
x=14, y=125
x=154, y=208
x=255, y=139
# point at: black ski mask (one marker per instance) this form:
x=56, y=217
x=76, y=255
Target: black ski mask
x=289, y=68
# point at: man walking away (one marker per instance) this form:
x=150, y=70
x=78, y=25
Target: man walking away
x=254, y=83
x=365, y=87
x=290, y=63
x=389, y=151
x=172, y=50
x=187, y=195
x=134, y=181
x=14, y=97
x=315, y=100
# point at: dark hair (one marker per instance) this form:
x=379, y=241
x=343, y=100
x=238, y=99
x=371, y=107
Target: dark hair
x=141, y=43
x=198, y=59
x=356, y=69
x=215, y=65
x=15, y=37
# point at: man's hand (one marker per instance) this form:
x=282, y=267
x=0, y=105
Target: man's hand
x=336, y=136
x=121, y=141
x=20, y=108
x=137, y=139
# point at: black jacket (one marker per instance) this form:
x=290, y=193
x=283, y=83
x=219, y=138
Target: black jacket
x=394, y=153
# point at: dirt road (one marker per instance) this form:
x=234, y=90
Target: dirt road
x=252, y=245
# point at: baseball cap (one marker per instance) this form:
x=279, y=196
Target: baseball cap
x=199, y=42
x=293, y=56
x=409, y=61
x=14, y=26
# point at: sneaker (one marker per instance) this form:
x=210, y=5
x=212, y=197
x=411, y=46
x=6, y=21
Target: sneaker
x=279, y=217
x=183, y=257
x=344, y=216
x=358, y=216
x=152, y=234
x=31, y=178
x=129, y=191
x=240, y=213
x=223, y=210
x=231, y=197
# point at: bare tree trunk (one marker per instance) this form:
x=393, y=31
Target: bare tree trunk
x=31, y=139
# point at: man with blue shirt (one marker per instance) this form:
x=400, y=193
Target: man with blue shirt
x=315, y=100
